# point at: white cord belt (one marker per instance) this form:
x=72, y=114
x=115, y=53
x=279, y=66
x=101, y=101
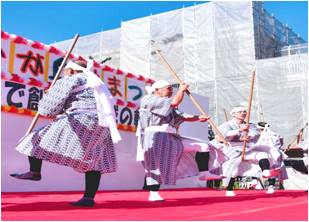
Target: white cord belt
x=163, y=128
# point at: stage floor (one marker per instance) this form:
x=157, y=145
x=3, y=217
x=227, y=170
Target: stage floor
x=181, y=204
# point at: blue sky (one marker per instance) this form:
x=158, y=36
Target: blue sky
x=49, y=22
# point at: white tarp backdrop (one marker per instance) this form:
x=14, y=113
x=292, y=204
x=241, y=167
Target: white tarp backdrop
x=214, y=47
x=282, y=97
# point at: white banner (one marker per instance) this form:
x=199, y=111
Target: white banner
x=27, y=68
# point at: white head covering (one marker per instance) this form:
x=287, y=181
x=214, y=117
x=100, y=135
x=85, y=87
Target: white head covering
x=104, y=100
x=157, y=85
x=237, y=109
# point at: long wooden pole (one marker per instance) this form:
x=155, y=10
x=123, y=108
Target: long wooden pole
x=225, y=115
x=248, y=115
x=36, y=117
x=195, y=102
x=300, y=134
x=295, y=138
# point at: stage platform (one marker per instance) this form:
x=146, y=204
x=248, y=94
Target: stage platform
x=196, y=204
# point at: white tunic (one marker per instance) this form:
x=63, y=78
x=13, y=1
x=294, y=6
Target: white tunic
x=254, y=152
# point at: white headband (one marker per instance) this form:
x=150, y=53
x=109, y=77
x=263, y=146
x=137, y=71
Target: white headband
x=157, y=85
x=237, y=109
x=72, y=65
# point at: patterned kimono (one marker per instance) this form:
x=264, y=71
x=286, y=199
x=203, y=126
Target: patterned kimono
x=74, y=138
x=235, y=166
x=166, y=155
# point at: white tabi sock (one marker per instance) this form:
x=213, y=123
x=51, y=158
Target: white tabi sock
x=230, y=193
x=155, y=196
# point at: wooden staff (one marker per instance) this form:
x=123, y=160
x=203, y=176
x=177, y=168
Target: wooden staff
x=248, y=116
x=195, y=102
x=36, y=117
x=296, y=138
x=300, y=134
x=225, y=115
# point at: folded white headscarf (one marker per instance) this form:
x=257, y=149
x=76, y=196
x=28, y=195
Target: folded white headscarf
x=157, y=85
x=104, y=100
x=237, y=109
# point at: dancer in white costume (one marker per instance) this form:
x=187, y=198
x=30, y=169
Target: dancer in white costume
x=260, y=160
x=82, y=134
x=166, y=155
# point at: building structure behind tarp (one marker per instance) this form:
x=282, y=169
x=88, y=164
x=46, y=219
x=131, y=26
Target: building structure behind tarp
x=214, y=47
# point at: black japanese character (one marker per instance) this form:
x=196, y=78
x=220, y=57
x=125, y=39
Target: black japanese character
x=114, y=83
x=139, y=92
x=126, y=116
x=116, y=108
x=34, y=97
x=136, y=117
x=14, y=88
x=31, y=62
x=56, y=64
